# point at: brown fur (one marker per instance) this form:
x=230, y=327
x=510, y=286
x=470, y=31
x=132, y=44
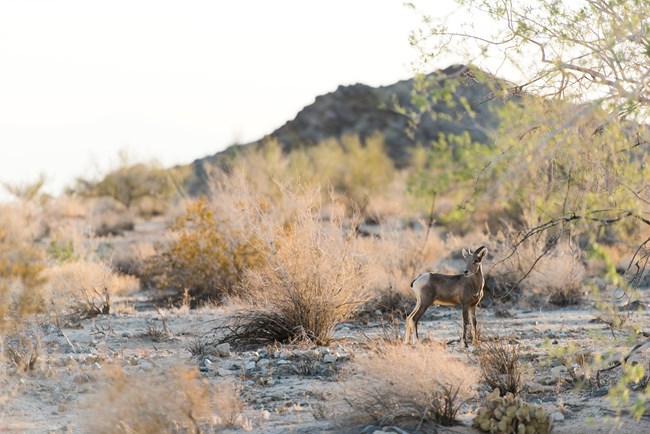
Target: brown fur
x=464, y=289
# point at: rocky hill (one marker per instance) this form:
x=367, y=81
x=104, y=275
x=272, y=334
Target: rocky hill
x=364, y=110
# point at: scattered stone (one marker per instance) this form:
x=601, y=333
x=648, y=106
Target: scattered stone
x=538, y=388
x=225, y=372
x=283, y=362
x=223, y=350
x=251, y=365
x=600, y=392
x=207, y=363
x=329, y=358
x=145, y=365
x=557, y=416
x=127, y=335
x=559, y=371
x=263, y=363
x=394, y=429
x=370, y=429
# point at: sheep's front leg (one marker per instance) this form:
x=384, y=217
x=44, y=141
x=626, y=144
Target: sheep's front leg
x=472, y=313
x=465, y=323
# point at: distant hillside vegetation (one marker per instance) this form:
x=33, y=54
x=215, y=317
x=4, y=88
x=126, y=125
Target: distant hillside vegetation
x=409, y=112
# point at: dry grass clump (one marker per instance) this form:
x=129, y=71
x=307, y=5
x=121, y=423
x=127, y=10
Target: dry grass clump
x=413, y=388
x=540, y=270
x=109, y=218
x=179, y=401
x=22, y=349
x=83, y=288
x=501, y=365
x=21, y=263
x=208, y=257
x=398, y=255
x=312, y=278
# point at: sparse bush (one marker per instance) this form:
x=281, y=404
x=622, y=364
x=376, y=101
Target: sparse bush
x=311, y=279
x=414, y=388
x=355, y=168
x=539, y=270
x=209, y=255
x=510, y=414
x=501, y=365
x=130, y=183
x=397, y=255
x=82, y=288
x=110, y=218
x=21, y=263
x=178, y=401
x=22, y=348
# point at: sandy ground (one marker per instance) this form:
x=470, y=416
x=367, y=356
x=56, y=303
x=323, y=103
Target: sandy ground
x=278, y=394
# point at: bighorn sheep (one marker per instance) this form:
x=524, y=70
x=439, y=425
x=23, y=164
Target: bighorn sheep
x=464, y=289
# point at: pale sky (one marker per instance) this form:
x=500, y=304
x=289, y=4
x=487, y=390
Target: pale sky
x=177, y=80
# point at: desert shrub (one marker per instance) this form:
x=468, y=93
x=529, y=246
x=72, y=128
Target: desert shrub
x=83, y=288
x=130, y=183
x=21, y=262
x=414, y=388
x=398, y=255
x=109, y=217
x=539, y=270
x=209, y=255
x=178, y=401
x=510, y=414
x=21, y=348
x=355, y=168
x=501, y=365
x=311, y=279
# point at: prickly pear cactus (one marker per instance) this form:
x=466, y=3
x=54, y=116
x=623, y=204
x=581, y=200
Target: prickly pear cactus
x=511, y=415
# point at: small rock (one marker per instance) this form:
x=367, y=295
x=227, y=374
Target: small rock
x=223, y=350
x=145, y=365
x=224, y=372
x=329, y=358
x=207, y=363
x=600, y=392
x=557, y=416
x=284, y=355
x=559, y=371
x=283, y=362
x=369, y=429
x=379, y=432
x=263, y=363
x=251, y=365
x=538, y=388
x=127, y=335
x=393, y=429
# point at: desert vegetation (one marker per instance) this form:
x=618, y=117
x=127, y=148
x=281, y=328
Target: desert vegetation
x=268, y=291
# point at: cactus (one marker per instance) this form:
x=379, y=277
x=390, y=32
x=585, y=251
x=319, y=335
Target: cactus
x=510, y=414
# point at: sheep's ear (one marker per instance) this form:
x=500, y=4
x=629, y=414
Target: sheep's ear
x=465, y=254
x=481, y=252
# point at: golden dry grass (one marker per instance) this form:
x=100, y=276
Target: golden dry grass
x=178, y=401
x=414, y=388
